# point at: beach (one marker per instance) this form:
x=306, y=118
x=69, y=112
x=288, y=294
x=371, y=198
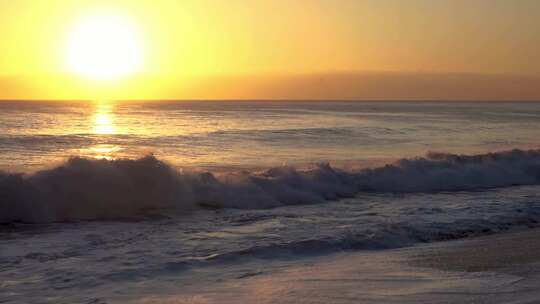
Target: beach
x=506, y=253
x=501, y=268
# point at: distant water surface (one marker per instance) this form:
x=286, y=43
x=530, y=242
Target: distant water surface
x=260, y=134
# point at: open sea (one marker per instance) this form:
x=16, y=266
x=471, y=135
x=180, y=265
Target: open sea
x=125, y=202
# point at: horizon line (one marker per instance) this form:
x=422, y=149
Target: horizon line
x=268, y=100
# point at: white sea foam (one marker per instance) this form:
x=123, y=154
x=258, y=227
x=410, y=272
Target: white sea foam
x=84, y=189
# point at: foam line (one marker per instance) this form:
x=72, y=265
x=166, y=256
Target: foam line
x=87, y=189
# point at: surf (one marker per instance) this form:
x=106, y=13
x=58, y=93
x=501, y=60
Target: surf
x=100, y=189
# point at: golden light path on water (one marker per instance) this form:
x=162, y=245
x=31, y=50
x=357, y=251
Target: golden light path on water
x=104, y=118
x=103, y=125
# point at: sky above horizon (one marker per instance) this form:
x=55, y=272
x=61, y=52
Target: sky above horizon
x=277, y=49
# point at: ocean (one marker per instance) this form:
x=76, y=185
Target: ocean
x=130, y=201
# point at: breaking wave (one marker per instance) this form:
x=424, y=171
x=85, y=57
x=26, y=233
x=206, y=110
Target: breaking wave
x=85, y=189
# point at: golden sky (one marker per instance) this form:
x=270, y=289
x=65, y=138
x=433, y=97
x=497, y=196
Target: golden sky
x=315, y=49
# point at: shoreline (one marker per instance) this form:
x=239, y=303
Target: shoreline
x=483, y=269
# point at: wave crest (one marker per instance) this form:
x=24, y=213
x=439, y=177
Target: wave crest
x=85, y=189
x=450, y=172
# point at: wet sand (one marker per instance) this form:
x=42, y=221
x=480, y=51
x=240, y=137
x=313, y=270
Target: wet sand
x=500, y=268
x=506, y=252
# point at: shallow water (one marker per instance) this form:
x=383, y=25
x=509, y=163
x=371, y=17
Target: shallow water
x=121, y=261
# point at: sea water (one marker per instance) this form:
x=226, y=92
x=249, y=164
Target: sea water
x=105, y=202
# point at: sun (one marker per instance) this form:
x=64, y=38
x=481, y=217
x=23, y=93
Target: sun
x=104, y=47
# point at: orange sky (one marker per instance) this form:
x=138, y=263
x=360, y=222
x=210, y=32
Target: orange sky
x=277, y=49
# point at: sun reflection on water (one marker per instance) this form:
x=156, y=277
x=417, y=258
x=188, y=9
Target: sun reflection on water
x=104, y=119
x=103, y=122
x=103, y=151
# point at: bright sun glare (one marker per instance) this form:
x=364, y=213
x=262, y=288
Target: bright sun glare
x=104, y=47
